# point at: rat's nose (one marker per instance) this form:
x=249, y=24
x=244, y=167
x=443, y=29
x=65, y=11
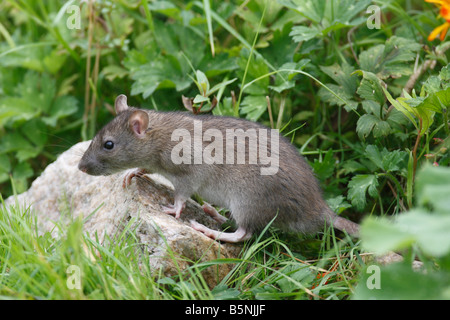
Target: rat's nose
x=82, y=168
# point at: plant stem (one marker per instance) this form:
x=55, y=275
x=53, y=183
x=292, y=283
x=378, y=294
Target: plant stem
x=419, y=136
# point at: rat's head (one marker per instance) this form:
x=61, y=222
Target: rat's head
x=116, y=147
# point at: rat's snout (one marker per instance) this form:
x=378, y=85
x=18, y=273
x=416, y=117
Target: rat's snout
x=82, y=167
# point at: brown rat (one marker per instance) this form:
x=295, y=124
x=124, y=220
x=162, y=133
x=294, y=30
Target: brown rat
x=265, y=177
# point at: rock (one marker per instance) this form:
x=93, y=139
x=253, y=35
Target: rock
x=63, y=192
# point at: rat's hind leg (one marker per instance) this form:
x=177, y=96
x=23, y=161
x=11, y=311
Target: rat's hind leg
x=212, y=212
x=176, y=208
x=239, y=235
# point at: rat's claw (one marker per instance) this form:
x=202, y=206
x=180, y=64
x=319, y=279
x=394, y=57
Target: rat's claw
x=175, y=209
x=131, y=174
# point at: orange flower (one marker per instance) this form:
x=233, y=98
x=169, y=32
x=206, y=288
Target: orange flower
x=444, y=12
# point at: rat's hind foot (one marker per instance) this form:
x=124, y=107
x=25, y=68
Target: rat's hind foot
x=130, y=175
x=176, y=208
x=239, y=235
x=212, y=212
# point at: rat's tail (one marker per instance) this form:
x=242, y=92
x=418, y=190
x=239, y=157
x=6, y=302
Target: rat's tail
x=341, y=223
x=346, y=225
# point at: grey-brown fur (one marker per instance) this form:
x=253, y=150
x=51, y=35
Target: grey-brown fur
x=293, y=193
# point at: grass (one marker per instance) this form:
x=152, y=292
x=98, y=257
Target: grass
x=40, y=266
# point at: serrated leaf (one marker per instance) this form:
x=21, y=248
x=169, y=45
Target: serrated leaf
x=256, y=69
x=324, y=169
x=369, y=123
x=390, y=59
x=359, y=186
x=384, y=159
x=62, y=107
x=342, y=75
x=338, y=204
x=165, y=72
x=370, y=87
x=253, y=107
x=313, y=10
x=302, y=33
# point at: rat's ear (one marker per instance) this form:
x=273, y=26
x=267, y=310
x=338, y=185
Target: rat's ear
x=121, y=104
x=138, y=123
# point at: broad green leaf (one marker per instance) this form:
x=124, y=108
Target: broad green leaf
x=164, y=72
x=369, y=123
x=330, y=98
x=433, y=188
x=342, y=75
x=390, y=59
x=385, y=160
x=112, y=72
x=399, y=281
x=436, y=101
x=253, y=107
x=62, y=107
x=256, y=69
x=338, y=204
x=370, y=87
x=428, y=231
x=359, y=186
x=313, y=10
x=325, y=167
x=302, y=33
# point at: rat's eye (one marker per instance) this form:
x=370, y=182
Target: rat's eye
x=108, y=145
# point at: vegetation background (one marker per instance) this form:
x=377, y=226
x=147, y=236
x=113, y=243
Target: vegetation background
x=358, y=86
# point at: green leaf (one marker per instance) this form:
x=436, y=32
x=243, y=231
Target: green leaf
x=390, y=59
x=402, y=106
x=313, y=10
x=62, y=107
x=359, y=186
x=199, y=99
x=202, y=82
x=385, y=160
x=342, y=75
x=325, y=167
x=338, y=204
x=429, y=232
x=5, y=168
x=219, y=86
x=433, y=188
x=302, y=33
x=253, y=107
x=256, y=69
x=165, y=72
x=368, y=123
x=370, y=87
x=399, y=281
